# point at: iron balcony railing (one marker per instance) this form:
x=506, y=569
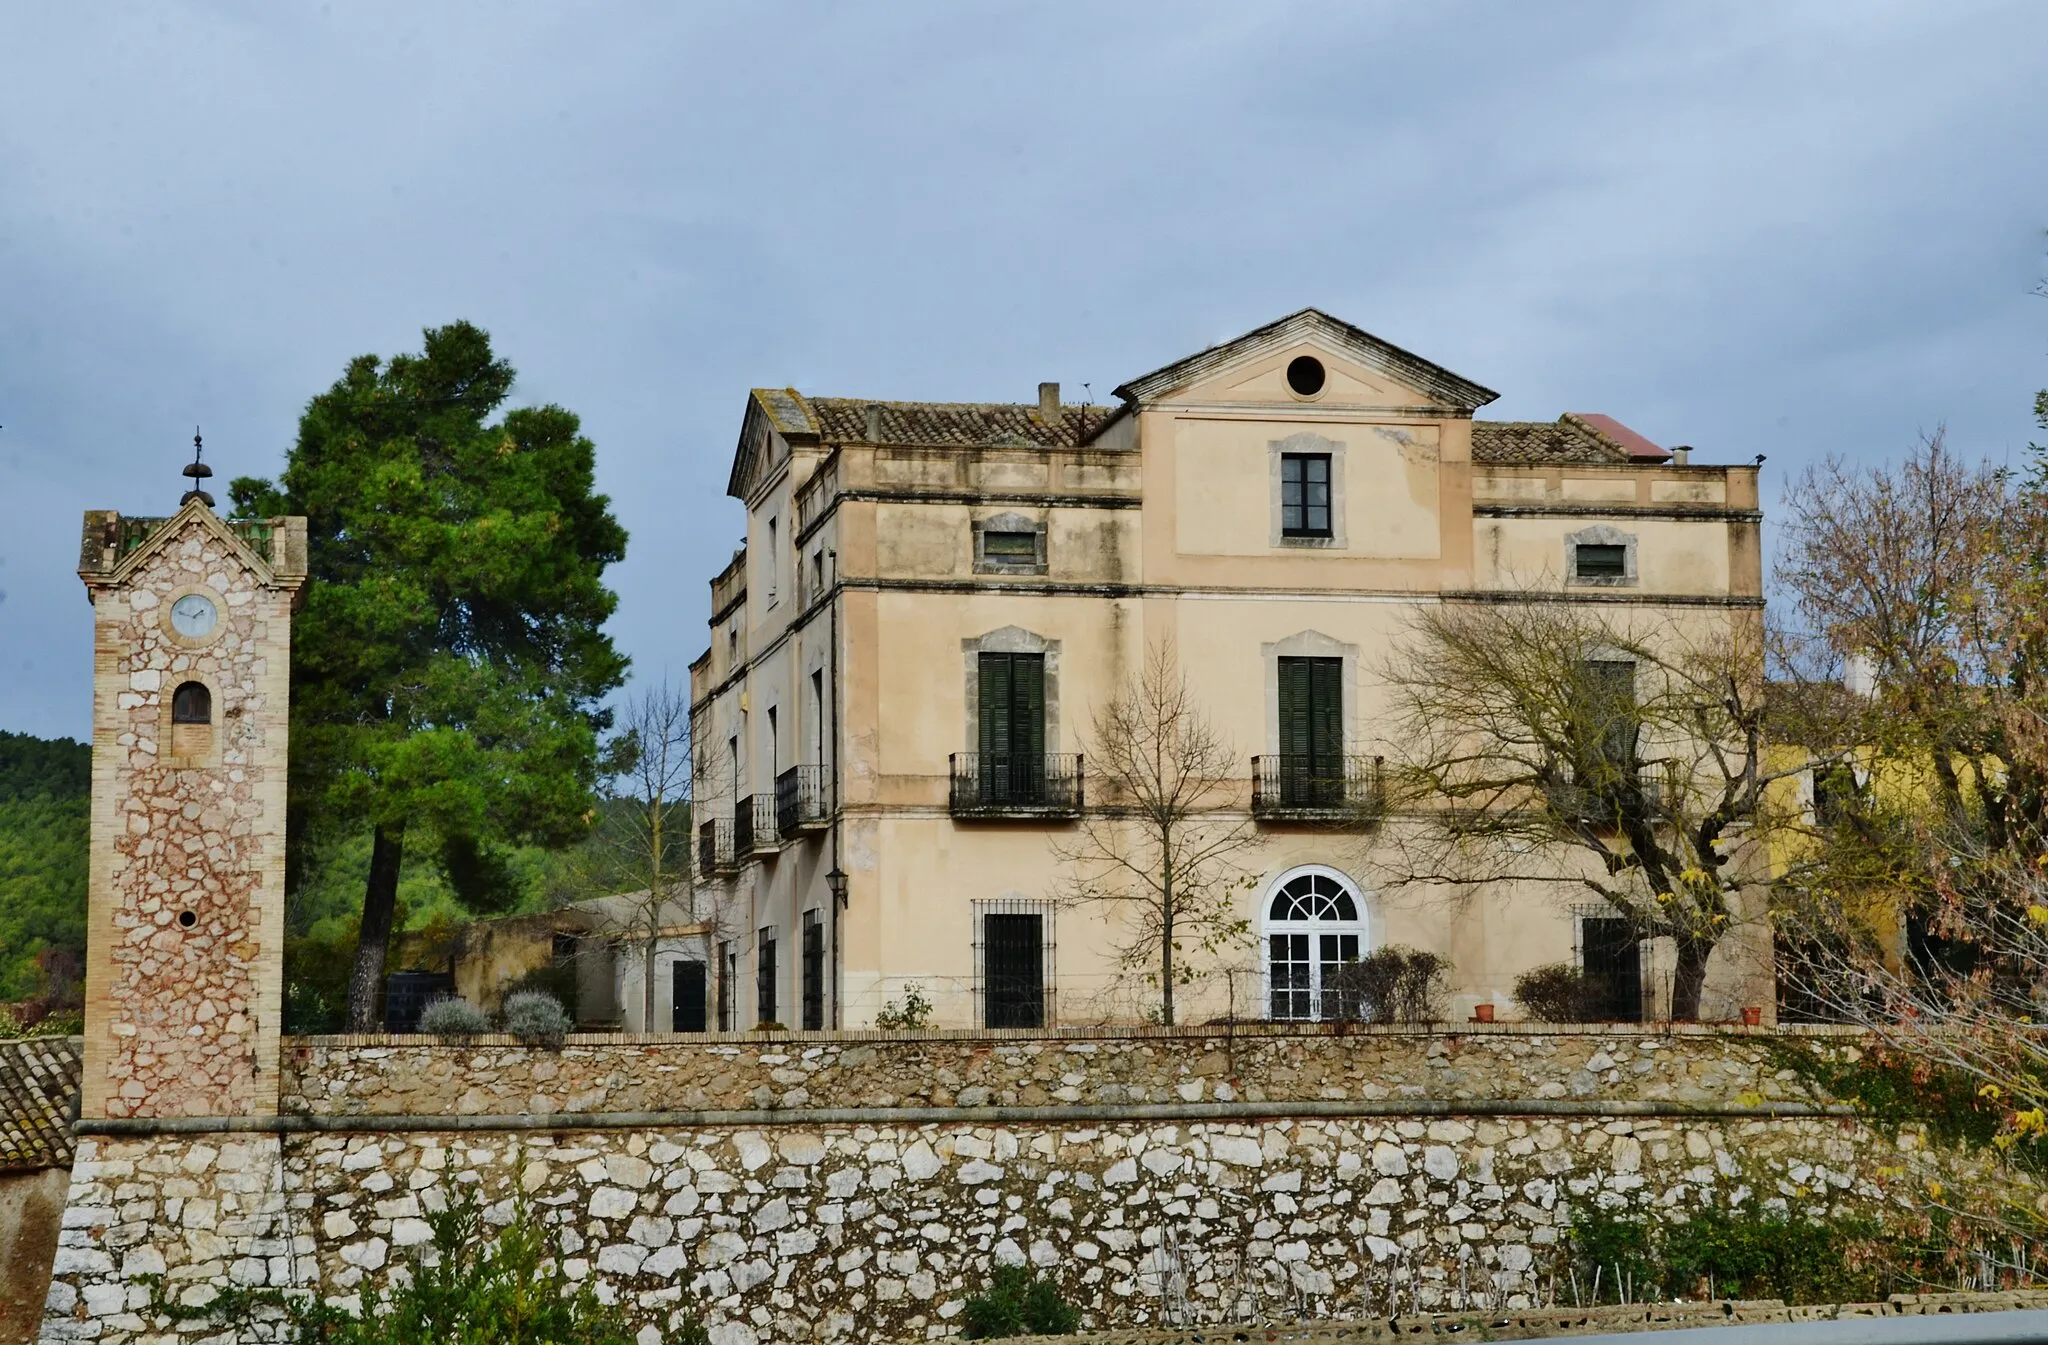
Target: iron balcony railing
x=714, y=847
x=753, y=826
x=803, y=800
x=1320, y=788
x=1011, y=784
x=1623, y=800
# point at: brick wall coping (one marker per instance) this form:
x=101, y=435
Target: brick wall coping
x=1025, y=1036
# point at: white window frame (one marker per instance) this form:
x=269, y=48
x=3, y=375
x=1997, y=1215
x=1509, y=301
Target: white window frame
x=1268, y=926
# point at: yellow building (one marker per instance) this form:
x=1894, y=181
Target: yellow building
x=933, y=600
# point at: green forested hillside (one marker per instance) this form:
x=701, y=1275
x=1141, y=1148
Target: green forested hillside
x=45, y=791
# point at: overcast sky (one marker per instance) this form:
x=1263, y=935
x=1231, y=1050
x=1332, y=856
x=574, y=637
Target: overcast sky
x=1757, y=228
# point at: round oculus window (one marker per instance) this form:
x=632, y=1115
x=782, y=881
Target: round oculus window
x=193, y=616
x=1305, y=375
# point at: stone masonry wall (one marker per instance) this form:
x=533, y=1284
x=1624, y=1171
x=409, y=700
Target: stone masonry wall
x=820, y=1207
x=879, y=1232
x=371, y=1076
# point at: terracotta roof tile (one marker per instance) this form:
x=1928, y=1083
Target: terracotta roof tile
x=1561, y=440
x=958, y=424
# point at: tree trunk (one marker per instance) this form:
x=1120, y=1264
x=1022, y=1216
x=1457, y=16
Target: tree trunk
x=647, y=985
x=1166, y=952
x=1689, y=979
x=380, y=897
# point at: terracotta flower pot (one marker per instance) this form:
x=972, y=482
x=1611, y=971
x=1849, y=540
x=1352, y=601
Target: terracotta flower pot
x=1482, y=1013
x=1752, y=1015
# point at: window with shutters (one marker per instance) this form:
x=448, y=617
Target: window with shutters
x=814, y=973
x=1304, y=495
x=764, y=977
x=1610, y=724
x=1602, y=556
x=1009, y=544
x=1011, y=739
x=1311, y=732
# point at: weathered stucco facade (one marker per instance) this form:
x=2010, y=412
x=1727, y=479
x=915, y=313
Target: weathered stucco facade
x=892, y=548
x=184, y=976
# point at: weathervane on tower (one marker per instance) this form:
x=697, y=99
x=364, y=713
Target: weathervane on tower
x=197, y=470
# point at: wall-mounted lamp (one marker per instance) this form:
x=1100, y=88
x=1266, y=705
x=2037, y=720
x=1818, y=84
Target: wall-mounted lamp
x=836, y=881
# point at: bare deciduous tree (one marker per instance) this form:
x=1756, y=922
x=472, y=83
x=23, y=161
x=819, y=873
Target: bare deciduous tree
x=641, y=853
x=1161, y=854
x=1541, y=741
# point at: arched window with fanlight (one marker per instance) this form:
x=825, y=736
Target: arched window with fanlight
x=191, y=721
x=1315, y=922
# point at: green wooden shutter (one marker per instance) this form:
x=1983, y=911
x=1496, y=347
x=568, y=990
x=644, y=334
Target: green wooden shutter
x=994, y=707
x=1295, y=698
x=1326, y=717
x=1027, y=708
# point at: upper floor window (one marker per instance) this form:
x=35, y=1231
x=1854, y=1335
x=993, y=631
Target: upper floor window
x=1305, y=495
x=1311, y=732
x=1601, y=555
x=1009, y=544
x=192, y=703
x=1602, y=562
x=774, y=560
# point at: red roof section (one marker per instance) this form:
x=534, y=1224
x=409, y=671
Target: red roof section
x=1634, y=444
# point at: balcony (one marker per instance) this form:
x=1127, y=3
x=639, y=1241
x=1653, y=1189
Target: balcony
x=1003, y=784
x=803, y=800
x=714, y=847
x=1333, y=791
x=753, y=827
x=1624, y=800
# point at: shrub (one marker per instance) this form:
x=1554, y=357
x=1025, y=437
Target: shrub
x=770, y=1026
x=1557, y=993
x=454, y=1018
x=536, y=1018
x=910, y=1014
x=1015, y=1304
x=557, y=980
x=506, y=1288
x=1394, y=984
x=1739, y=1253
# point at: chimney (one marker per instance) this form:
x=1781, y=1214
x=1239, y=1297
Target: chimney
x=874, y=422
x=1049, y=403
x=1681, y=455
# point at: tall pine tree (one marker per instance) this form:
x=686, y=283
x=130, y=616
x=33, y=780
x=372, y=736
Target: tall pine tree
x=448, y=666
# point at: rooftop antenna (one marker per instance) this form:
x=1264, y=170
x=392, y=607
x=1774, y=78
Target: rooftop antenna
x=198, y=471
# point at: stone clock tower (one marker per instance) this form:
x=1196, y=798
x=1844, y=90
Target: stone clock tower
x=185, y=928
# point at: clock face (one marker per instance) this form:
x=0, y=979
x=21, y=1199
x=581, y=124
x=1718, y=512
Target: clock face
x=192, y=616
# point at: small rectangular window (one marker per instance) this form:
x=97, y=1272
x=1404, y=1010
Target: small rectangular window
x=1305, y=495
x=1015, y=547
x=817, y=573
x=1602, y=561
x=774, y=561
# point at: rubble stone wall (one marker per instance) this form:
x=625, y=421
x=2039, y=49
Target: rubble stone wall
x=869, y=1232
x=372, y=1076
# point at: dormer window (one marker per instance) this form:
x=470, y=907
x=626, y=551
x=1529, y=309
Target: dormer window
x=1304, y=495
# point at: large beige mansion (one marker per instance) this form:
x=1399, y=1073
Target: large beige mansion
x=933, y=600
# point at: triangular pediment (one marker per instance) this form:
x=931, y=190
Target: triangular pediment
x=166, y=532
x=1359, y=370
